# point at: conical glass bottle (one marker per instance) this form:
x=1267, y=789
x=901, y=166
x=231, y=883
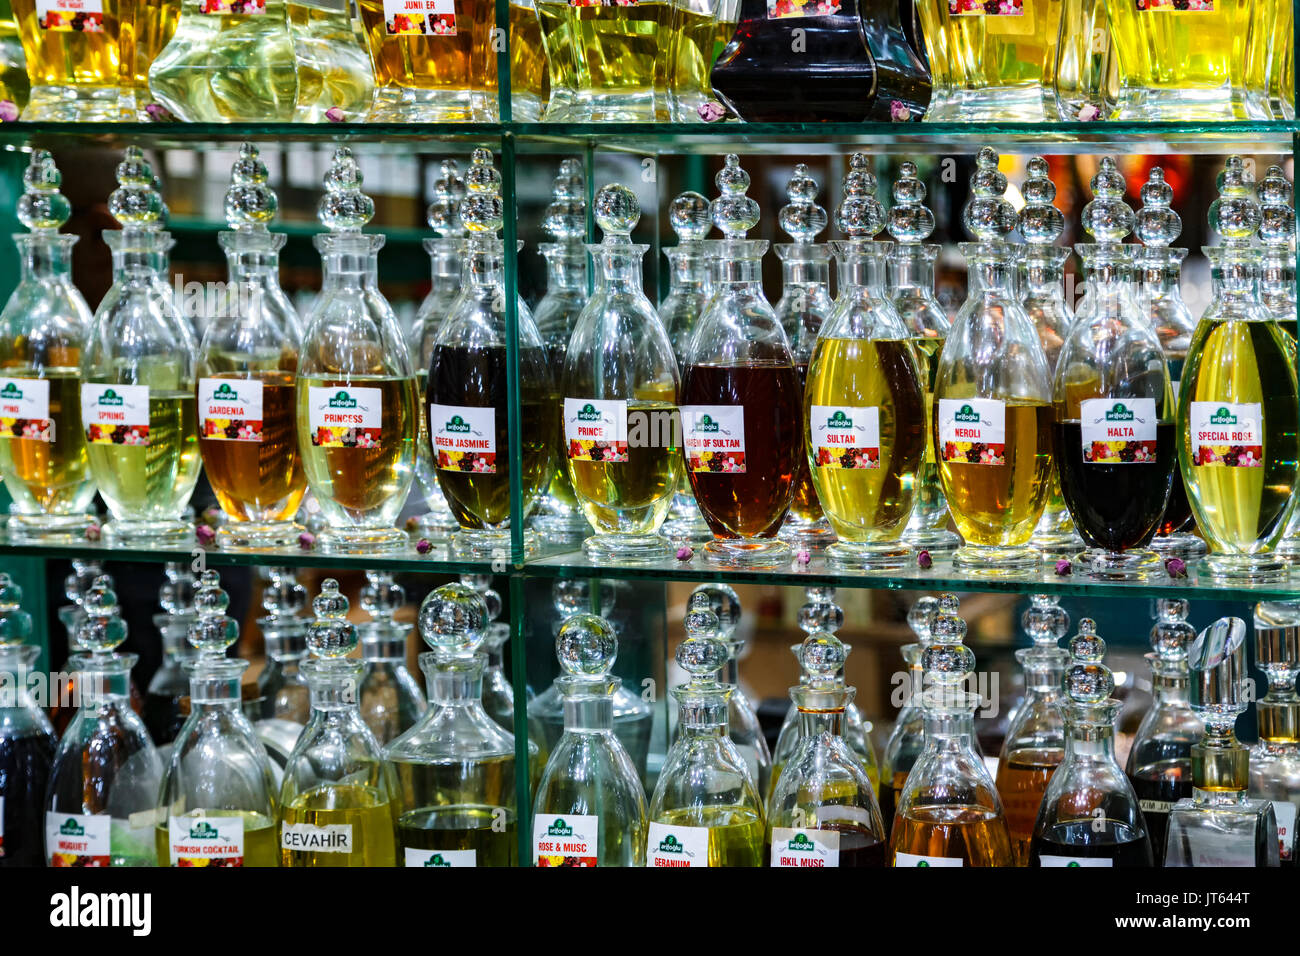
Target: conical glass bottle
x=498, y=692
x=338, y=795
x=1275, y=760
x=246, y=366
x=456, y=767
x=72, y=55
x=741, y=401
x=170, y=685
x=138, y=387
x=620, y=392
x=1238, y=407
x=75, y=588
x=705, y=810
x=590, y=808
x=992, y=394
x=907, y=738
x=99, y=809
x=335, y=76
x=389, y=697
x=949, y=813
x=356, y=400
x=42, y=443
x=216, y=805
x=281, y=685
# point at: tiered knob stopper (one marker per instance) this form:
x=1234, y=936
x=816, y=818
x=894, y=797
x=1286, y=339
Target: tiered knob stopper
x=1235, y=215
x=15, y=623
x=250, y=202
x=1046, y=621
x=1277, y=210
x=1088, y=682
x=177, y=593
x=1172, y=636
x=948, y=662
x=1157, y=223
x=802, y=219
x=725, y=603
x=443, y=214
x=1041, y=223
x=331, y=636
x=43, y=209
x=733, y=212
x=565, y=219
x=213, y=630
x=689, y=216
x=910, y=221
x=703, y=654
x=136, y=203
x=988, y=215
x=282, y=596
x=860, y=214
x=344, y=208
x=102, y=629
x=1108, y=218
x=820, y=613
x=921, y=619
x=482, y=210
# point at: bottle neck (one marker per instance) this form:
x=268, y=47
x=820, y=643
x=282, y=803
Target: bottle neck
x=44, y=257
x=138, y=253
x=333, y=684
x=702, y=712
x=912, y=266
x=991, y=268
x=816, y=722
x=588, y=702
x=1044, y=668
x=1090, y=729
x=862, y=264
x=16, y=662
x=1106, y=267
x=446, y=259
x=349, y=267
x=618, y=267
x=102, y=678
x=1234, y=273
x=1042, y=271
x=1219, y=763
x=1168, y=682
x=949, y=727
x=1161, y=269
x=566, y=267
x=736, y=265
x=215, y=688
x=688, y=269
x=1277, y=277
x=1279, y=719
x=453, y=681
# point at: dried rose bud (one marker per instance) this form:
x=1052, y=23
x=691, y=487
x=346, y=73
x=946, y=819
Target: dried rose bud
x=1176, y=567
x=1063, y=567
x=684, y=553
x=924, y=560
x=93, y=532
x=423, y=546
x=205, y=534
x=306, y=541
x=8, y=111
x=335, y=115
x=802, y=557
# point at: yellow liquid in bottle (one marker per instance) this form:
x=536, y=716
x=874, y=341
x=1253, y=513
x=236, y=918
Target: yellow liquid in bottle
x=621, y=59
x=153, y=481
x=370, y=819
x=259, y=841
x=333, y=69
x=736, y=834
x=975, y=835
x=50, y=477
x=61, y=56
x=633, y=497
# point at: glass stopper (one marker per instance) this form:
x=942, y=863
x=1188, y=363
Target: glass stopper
x=82, y=579
x=213, y=630
x=1172, y=635
x=344, y=208
x=443, y=213
x=570, y=596
x=1041, y=223
x=725, y=603
x=910, y=220
x=565, y=219
x=1088, y=680
x=176, y=595
x=586, y=646
x=1108, y=218
x=135, y=201
x=860, y=215
x=482, y=583
x=43, y=209
x=821, y=613
x=948, y=661
x=802, y=219
x=166, y=213
x=988, y=215
x=250, y=202
x=282, y=595
x=617, y=212
x=103, y=629
x=1277, y=209
x=382, y=597
x=1157, y=224
x=482, y=210
x=15, y=623
x=453, y=620
x=1046, y=621
x=1218, y=689
x=331, y=636
x=821, y=656
x=703, y=653
x=688, y=214
x=1235, y=214
x=733, y=212
x=921, y=619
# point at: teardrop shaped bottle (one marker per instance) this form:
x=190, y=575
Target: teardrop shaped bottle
x=164, y=710
x=907, y=738
x=390, y=699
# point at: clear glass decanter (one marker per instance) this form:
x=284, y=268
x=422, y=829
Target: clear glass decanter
x=907, y=737
x=73, y=58
x=170, y=685
x=498, y=692
x=138, y=381
x=391, y=701
x=42, y=443
x=335, y=76
x=356, y=399
x=246, y=366
x=283, y=690
x=1275, y=760
x=590, y=808
x=75, y=588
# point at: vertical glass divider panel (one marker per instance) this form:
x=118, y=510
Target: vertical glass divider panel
x=511, y=249
x=519, y=677
x=501, y=44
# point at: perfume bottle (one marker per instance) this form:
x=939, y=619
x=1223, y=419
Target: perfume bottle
x=621, y=55
x=911, y=282
x=14, y=85
x=700, y=31
x=281, y=685
x=246, y=367
x=1277, y=238
x=498, y=692
x=907, y=737
x=138, y=381
x=336, y=801
x=75, y=588
x=99, y=808
x=529, y=81
x=705, y=810
x=1090, y=814
x=456, y=767
x=1237, y=406
x=144, y=28
x=467, y=391
x=1219, y=825
x=42, y=445
x=71, y=48
x=865, y=403
x=992, y=395
x=1275, y=759
x=949, y=813
x=356, y=401
x=164, y=710
x=335, y=76
x=1115, y=433
x=390, y=699
x=216, y=806
x=741, y=401
x=620, y=392
x=557, y=45
x=1086, y=74
x=590, y=808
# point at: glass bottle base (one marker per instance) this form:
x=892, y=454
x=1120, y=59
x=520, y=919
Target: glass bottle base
x=175, y=533
x=49, y=527
x=1056, y=544
x=626, y=548
x=1267, y=568
x=408, y=105
x=362, y=540
x=932, y=539
x=560, y=525
x=875, y=556
x=436, y=525
x=986, y=561
x=807, y=535
x=1133, y=565
x=1186, y=105
x=80, y=104
x=1179, y=545
x=687, y=531
x=494, y=545
x=747, y=552
x=993, y=104
x=640, y=107
x=258, y=536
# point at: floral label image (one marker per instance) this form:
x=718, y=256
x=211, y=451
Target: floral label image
x=565, y=841
x=677, y=846
x=715, y=438
x=781, y=9
x=1118, y=431
x=845, y=437
x=78, y=839
x=230, y=409
x=973, y=430
x=603, y=3
x=805, y=848
x=115, y=414
x=206, y=841
x=596, y=429
x=427, y=17
x=25, y=409
x=414, y=857
x=1227, y=434
x=1176, y=6
x=341, y=416
x=986, y=8
x=464, y=438
x=234, y=8
x=82, y=16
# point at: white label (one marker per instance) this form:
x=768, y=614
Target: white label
x=1207, y=848
x=464, y=438
x=1118, y=431
x=115, y=414
x=845, y=437
x=233, y=8
x=198, y=841
x=912, y=859
x=1282, y=809
x=1048, y=860
x=1227, y=434
x=805, y=847
x=341, y=416
x=566, y=841
x=420, y=17
x=84, y=16
x=230, y=409
x=73, y=837
x=1155, y=806
x=440, y=857
x=25, y=409
x=677, y=846
x=595, y=429
x=306, y=838
x=973, y=430
x=715, y=438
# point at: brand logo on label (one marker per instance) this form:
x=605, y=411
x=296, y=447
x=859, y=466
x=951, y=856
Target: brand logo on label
x=966, y=414
x=1223, y=417
x=839, y=420
x=457, y=424
x=669, y=844
x=343, y=400
x=11, y=391
x=225, y=393
x=203, y=831
x=801, y=843
x=110, y=397
x=706, y=424
x=1119, y=413
x=559, y=828
x=922, y=863
x=1072, y=863
x=436, y=860
x=588, y=413
x=71, y=828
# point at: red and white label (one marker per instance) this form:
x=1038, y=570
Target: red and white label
x=845, y=436
x=677, y=846
x=115, y=414
x=415, y=857
x=805, y=848
x=78, y=839
x=913, y=859
x=230, y=409
x=568, y=840
x=1227, y=434
x=979, y=8
x=83, y=16
x=715, y=438
x=420, y=18
x=341, y=416
x=1284, y=810
x=233, y=8
x=1118, y=431
x=25, y=409
x=464, y=438
x=596, y=429
x=206, y=841
x=1171, y=6
x=973, y=430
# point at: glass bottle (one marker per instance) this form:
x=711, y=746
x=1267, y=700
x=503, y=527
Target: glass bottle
x=907, y=737
x=620, y=392
x=705, y=810
x=638, y=38
x=337, y=798
x=741, y=401
x=992, y=394
x=1086, y=75
x=144, y=28
x=27, y=741
x=281, y=685
x=99, y=809
x=246, y=366
x=356, y=402
x=1219, y=825
x=334, y=72
x=701, y=28
x=949, y=813
x=456, y=767
x=216, y=805
x=389, y=697
x=590, y=808
x=14, y=85
x=557, y=44
x=467, y=393
x=1089, y=814
x=498, y=692
x=1115, y=434
x=864, y=408
x=1237, y=408
x=529, y=81
x=43, y=446
x=1275, y=759
x=71, y=48
x=75, y=588
x=170, y=685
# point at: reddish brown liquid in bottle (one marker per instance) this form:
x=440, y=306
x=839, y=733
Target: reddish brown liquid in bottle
x=1022, y=781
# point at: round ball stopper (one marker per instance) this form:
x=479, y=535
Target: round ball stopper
x=617, y=212
x=1041, y=223
x=1108, y=217
x=1172, y=635
x=802, y=219
x=725, y=604
x=1157, y=224
x=453, y=619
x=344, y=208
x=213, y=631
x=43, y=208
x=331, y=635
x=282, y=595
x=15, y=623
x=910, y=220
x=921, y=618
x=382, y=597
x=482, y=583
x=860, y=215
x=443, y=213
x=571, y=596
x=135, y=202
x=482, y=211
x=821, y=656
x=586, y=646
x=1277, y=209
x=250, y=202
x=1235, y=214
x=103, y=628
x=821, y=613
x=988, y=215
x=1046, y=621
x=688, y=214
x=565, y=219
x=733, y=212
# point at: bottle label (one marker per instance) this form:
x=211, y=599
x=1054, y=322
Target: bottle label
x=230, y=409
x=1155, y=806
x=980, y=8
x=415, y=857
x=427, y=17
x=603, y=3
x=1118, y=432
x=306, y=838
x=341, y=416
x=1284, y=810
x=805, y=847
x=465, y=438
x=25, y=409
x=781, y=9
x=913, y=859
x=566, y=841
x=206, y=841
x=677, y=846
x=233, y=8
x=84, y=16
x=115, y=414
x=715, y=438
x=596, y=429
x=1227, y=434
x=973, y=430
x=73, y=839
x=1176, y=6
x=1203, y=847
x=1046, y=860
x=845, y=437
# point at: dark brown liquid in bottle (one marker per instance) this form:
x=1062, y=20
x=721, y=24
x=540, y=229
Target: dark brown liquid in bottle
x=1086, y=840
x=24, y=770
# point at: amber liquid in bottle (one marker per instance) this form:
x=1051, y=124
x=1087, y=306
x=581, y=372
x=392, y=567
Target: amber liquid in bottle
x=69, y=54
x=804, y=503
x=976, y=836
x=1022, y=780
x=453, y=62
